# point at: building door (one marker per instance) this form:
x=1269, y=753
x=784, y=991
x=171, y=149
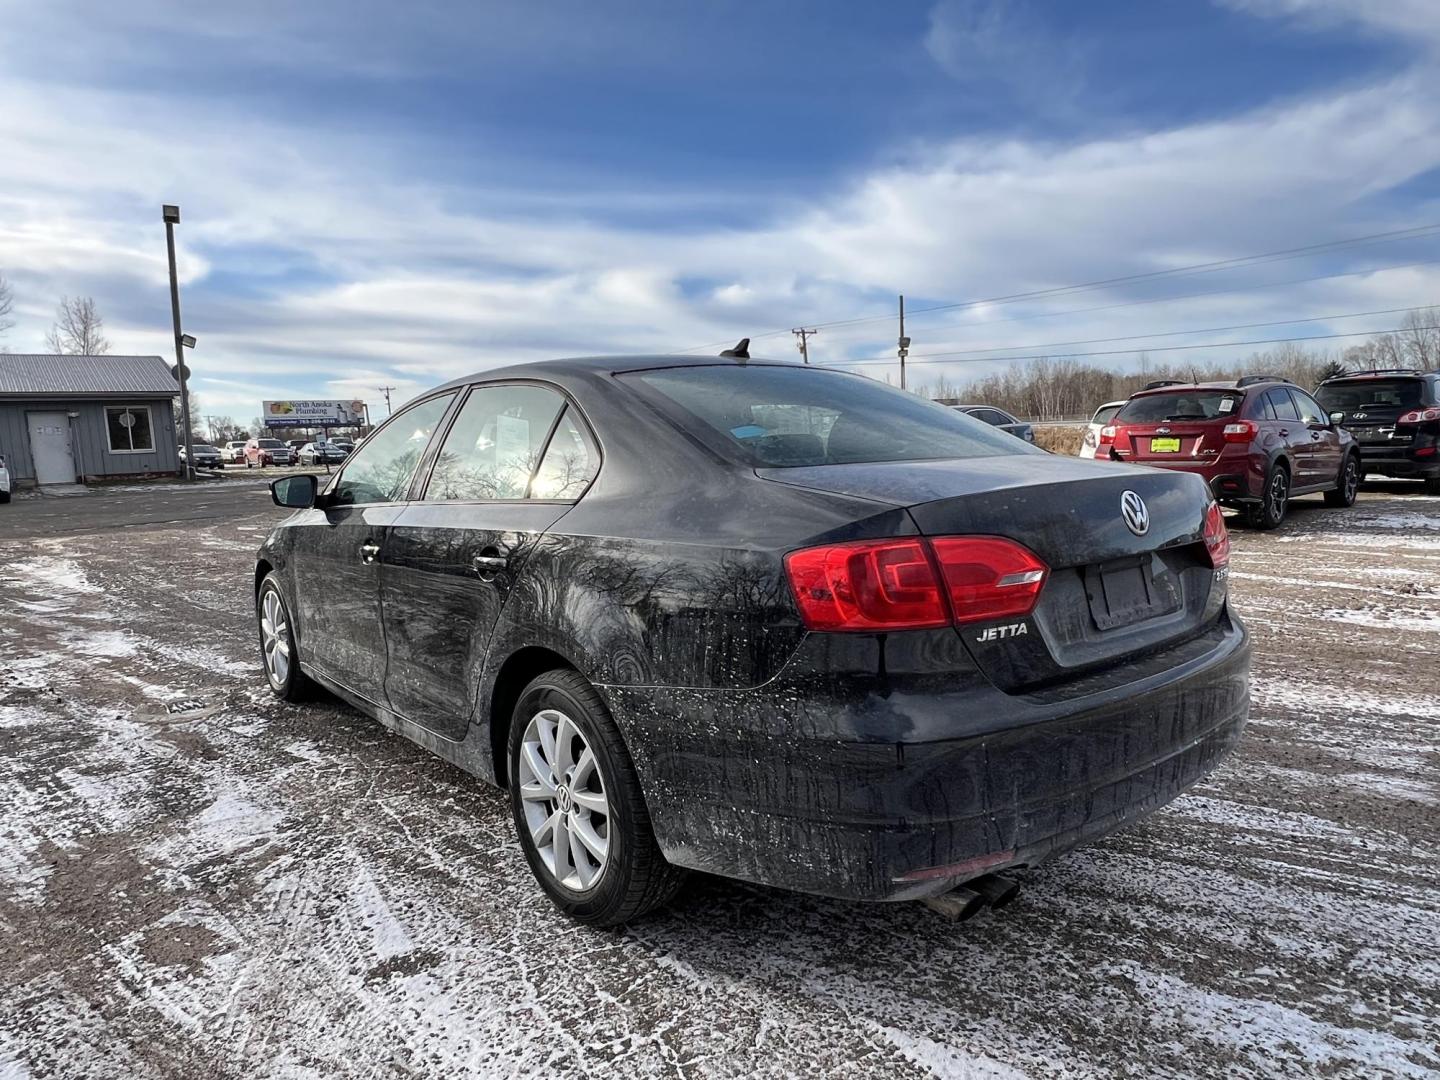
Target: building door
x=50, y=447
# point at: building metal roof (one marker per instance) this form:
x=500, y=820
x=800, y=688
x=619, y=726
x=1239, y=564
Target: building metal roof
x=42, y=375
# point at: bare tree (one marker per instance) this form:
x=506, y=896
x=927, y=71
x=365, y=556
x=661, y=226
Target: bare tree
x=77, y=328
x=7, y=304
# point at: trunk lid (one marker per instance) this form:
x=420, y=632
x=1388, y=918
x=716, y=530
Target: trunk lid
x=1111, y=594
x=1170, y=441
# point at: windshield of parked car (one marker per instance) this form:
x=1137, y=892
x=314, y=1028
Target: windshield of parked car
x=785, y=416
x=202, y=448
x=1370, y=393
x=1187, y=404
x=272, y=444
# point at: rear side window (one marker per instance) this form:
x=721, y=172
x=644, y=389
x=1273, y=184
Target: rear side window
x=787, y=417
x=1189, y=404
x=494, y=445
x=1280, y=401
x=381, y=469
x=1310, y=412
x=569, y=464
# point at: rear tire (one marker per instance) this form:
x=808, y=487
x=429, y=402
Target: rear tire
x=1432, y=485
x=578, y=810
x=1347, y=486
x=1270, y=511
x=278, y=654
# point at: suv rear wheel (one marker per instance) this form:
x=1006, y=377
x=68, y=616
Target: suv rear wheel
x=1432, y=485
x=1347, y=486
x=578, y=809
x=1270, y=511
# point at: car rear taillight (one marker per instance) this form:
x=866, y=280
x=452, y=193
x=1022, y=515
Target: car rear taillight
x=988, y=577
x=869, y=585
x=913, y=584
x=1241, y=431
x=1217, y=537
x=1107, y=435
x=1420, y=416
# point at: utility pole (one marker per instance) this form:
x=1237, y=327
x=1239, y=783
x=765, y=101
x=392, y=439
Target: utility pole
x=171, y=214
x=386, y=391
x=903, y=344
x=804, y=345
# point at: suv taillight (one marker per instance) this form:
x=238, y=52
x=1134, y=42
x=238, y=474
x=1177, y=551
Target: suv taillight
x=1107, y=435
x=1217, y=537
x=1420, y=416
x=1241, y=431
x=913, y=583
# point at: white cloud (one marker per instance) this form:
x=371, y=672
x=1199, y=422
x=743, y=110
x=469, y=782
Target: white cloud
x=1415, y=20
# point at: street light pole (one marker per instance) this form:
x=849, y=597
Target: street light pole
x=903, y=344
x=171, y=215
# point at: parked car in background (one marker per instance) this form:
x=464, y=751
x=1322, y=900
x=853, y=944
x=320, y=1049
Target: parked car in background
x=267, y=452
x=890, y=653
x=1103, y=415
x=999, y=418
x=321, y=454
x=1257, y=442
x=296, y=445
x=1394, y=415
x=206, y=456
x=233, y=452
x=344, y=444
x=4, y=481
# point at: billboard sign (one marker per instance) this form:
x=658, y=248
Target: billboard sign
x=307, y=414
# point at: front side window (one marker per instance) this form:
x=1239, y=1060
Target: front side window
x=380, y=470
x=788, y=416
x=494, y=445
x=129, y=430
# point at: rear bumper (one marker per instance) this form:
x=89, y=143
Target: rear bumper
x=1231, y=480
x=797, y=785
x=1402, y=467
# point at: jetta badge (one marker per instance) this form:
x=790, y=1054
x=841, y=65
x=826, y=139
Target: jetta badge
x=1132, y=509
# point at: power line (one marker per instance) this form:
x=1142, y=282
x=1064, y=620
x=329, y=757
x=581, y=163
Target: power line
x=1172, y=333
x=1132, y=352
x=1194, y=268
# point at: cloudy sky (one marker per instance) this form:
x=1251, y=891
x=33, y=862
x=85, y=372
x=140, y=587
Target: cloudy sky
x=378, y=193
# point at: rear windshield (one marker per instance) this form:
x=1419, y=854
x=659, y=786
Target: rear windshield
x=202, y=448
x=786, y=417
x=1105, y=414
x=1180, y=405
x=1371, y=393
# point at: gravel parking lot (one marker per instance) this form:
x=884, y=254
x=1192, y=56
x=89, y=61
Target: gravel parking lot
x=199, y=881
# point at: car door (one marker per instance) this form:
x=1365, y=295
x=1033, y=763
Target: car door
x=1291, y=434
x=515, y=458
x=337, y=546
x=1323, y=439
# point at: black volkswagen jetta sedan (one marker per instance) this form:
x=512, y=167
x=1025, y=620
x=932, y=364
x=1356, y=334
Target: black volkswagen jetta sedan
x=761, y=620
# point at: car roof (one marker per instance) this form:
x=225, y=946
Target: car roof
x=608, y=365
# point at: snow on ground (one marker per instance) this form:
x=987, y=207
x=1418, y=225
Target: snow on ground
x=199, y=880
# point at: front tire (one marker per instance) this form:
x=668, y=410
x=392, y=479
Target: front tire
x=1347, y=486
x=578, y=809
x=278, y=654
x=1271, y=510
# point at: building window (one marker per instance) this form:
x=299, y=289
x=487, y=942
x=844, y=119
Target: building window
x=130, y=431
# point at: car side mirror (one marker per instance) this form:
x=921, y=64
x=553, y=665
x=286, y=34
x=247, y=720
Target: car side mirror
x=1337, y=418
x=295, y=492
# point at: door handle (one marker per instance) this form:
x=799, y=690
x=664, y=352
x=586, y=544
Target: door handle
x=368, y=552
x=488, y=564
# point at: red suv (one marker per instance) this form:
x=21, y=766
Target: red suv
x=267, y=452
x=1257, y=442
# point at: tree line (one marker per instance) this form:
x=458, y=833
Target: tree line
x=1059, y=388
x=77, y=329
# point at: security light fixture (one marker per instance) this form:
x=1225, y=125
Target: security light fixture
x=188, y=340
x=171, y=214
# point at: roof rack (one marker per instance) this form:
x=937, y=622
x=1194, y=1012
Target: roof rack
x=1379, y=371
x=1158, y=383
x=1251, y=380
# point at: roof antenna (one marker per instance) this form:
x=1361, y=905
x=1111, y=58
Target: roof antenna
x=741, y=351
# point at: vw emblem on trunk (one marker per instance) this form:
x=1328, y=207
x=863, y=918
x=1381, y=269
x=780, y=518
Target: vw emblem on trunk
x=1132, y=509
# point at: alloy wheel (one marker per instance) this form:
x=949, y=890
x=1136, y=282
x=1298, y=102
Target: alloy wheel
x=275, y=637
x=563, y=795
x=1352, y=480
x=1279, y=490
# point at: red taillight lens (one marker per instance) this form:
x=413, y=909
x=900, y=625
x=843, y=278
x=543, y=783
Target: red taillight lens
x=875, y=585
x=1419, y=416
x=1107, y=435
x=869, y=585
x=1240, y=431
x=1217, y=537
x=988, y=577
